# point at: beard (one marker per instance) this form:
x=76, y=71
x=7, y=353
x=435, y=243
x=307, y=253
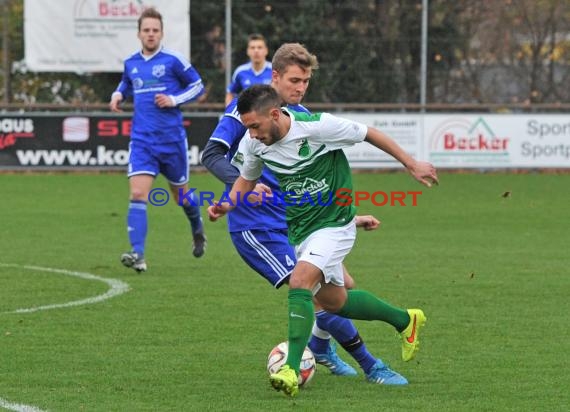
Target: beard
x=274, y=135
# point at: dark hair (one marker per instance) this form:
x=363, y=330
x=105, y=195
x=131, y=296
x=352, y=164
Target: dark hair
x=150, y=13
x=256, y=36
x=293, y=54
x=258, y=98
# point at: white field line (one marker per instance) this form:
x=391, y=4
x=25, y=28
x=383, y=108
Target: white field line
x=117, y=287
x=18, y=407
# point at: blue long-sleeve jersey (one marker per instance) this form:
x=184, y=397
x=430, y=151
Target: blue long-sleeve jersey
x=229, y=132
x=165, y=72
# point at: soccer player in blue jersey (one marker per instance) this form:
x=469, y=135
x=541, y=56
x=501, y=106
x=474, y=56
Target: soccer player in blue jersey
x=159, y=80
x=259, y=234
x=256, y=71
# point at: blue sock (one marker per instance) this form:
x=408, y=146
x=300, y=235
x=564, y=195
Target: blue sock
x=137, y=225
x=320, y=340
x=359, y=352
x=345, y=333
x=342, y=329
x=193, y=214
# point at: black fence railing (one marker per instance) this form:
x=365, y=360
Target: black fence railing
x=329, y=107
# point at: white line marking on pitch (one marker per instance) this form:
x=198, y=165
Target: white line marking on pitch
x=18, y=407
x=118, y=287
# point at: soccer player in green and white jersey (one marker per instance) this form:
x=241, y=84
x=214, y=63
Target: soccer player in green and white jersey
x=305, y=153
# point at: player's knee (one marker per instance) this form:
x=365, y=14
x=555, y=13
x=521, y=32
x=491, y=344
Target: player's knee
x=297, y=282
x=349, y=282
x=305, y=276
x=332, y=306
x=332, y=298
x=139, y=195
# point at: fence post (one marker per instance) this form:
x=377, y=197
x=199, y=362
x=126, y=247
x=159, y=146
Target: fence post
x=5, y=51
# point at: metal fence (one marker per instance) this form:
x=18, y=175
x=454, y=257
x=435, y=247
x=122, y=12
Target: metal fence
x=508, y=53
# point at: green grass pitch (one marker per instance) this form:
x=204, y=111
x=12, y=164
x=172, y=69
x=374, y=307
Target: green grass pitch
x=491, y=273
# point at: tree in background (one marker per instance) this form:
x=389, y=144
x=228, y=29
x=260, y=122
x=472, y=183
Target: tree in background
x=512, y=51
x=480, y=51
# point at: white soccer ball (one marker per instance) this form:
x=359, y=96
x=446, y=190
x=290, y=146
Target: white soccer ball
x=278, y=356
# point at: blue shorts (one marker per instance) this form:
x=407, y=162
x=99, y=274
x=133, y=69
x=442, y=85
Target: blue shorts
x=170, y=159
x=268, y=252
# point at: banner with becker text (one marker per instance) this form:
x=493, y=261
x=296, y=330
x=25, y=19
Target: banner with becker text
x=86, y=36
x=497, y=140
x=100, y=141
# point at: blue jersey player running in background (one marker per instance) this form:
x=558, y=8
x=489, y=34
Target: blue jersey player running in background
x=259, y=234
x=159, y=80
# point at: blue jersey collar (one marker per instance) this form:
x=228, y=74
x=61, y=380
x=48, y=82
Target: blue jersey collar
x=147, y=58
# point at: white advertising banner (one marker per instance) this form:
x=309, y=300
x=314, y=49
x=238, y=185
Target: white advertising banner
x=95, y=35
x=486, y=141
x=497, y=141
x=405, y=129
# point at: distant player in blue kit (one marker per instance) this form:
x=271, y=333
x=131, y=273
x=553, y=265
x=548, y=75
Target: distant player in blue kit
x=159, y=80
x=259, y=234
x=256, y=71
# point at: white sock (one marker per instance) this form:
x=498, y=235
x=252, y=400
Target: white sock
x=319, y=333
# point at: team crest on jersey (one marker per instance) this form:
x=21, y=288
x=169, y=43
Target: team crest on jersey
x=158, y=70
x=138, y=83
x=238, y=158
x=304, y=148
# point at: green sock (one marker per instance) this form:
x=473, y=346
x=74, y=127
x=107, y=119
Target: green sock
x=301, y=319
x=363, y=305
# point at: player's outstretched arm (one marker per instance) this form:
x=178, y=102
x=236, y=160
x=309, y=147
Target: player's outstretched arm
x=240, y=188
x=367, y=222
x=217, y=210
x=228, y=132
x=423, y=172
x=215, y=160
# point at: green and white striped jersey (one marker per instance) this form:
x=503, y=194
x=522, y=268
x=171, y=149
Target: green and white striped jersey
x=311, y=169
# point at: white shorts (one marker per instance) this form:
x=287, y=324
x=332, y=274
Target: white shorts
x=326, y=249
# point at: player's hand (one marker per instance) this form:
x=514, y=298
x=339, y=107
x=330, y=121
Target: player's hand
x=367, y=222
x=114, y=103
x=162, y=101
x=260, y=194
x=218, y=210
x=424, y=172
x=261, y=188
